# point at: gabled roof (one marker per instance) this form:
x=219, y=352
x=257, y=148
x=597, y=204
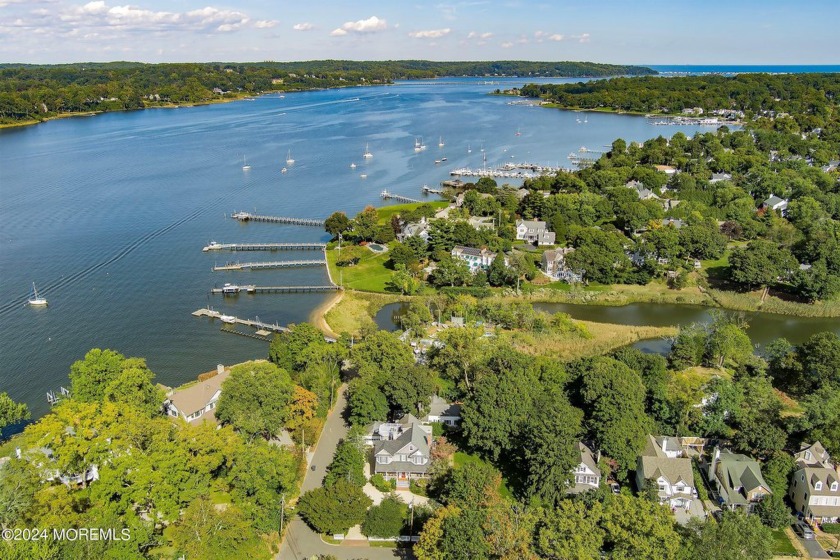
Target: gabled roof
x=739, y=475
x=468, y=251
x=440, y=407
x=654, y=463
x=813, y=454
x=588, y=458
x=195, y=397
x=531, y=224
x=774, y=201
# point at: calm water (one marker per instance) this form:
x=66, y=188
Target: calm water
x=108, y=214
x=763, y=327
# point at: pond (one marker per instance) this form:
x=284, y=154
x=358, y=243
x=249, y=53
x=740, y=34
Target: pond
x=763, y=327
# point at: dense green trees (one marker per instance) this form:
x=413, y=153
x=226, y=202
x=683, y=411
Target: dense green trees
x=10, y=411
x=255, y=399
x=334, y=509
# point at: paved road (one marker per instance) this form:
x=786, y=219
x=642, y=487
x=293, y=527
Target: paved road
x=813, y=548
x=301, y=542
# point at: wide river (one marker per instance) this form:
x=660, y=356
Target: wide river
x=107, y=215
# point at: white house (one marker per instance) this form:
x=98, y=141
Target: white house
x=663, y=464
x=196, y=402
x=554, y=265
x=477, y=259
x=775, y=203
x=444, y=412
x=815, y=485
x=534, y=231
x=587, y=475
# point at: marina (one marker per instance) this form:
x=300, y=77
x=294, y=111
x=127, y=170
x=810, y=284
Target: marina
x=509, y=171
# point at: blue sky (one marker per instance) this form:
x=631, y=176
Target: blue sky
x=625, y=31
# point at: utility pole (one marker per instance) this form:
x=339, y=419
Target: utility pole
x=411, y=523
x=282, y=513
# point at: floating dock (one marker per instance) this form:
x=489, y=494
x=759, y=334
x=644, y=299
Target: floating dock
x=264, y=246
x=266, y=265
x=263, y=330
x=251, y=289
x=248, y=217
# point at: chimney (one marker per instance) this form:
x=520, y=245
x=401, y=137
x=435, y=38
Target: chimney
x=664, y=444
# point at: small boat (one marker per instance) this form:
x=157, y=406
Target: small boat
x=245, y=165
x=440, y=142
x=443, y=158
x=36, y=299
x=229, y=319
x=230, y=289
x=289, y=160
x=352, y=166
x=518, y=133
x=469, y=149
x=363, y=176
x=437, y=161
x=367, y=154
x=418, y=145
x=283, y=170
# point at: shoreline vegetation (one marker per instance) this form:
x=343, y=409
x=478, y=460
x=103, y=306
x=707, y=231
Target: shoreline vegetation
x=30, y=94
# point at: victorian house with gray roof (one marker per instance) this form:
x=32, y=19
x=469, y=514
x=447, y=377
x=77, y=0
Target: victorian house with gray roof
x=815, y=486
x=403, y=453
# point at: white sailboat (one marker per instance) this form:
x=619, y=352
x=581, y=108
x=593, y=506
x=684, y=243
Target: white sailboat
x=352, y=166
x=245, y=165
x=289, y=160
x=36, y=299
x=440, y=142
x=469, y=149
x=418, y=145
x=283, y=170
x=367, y=154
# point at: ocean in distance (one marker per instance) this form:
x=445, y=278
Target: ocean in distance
x=744, y=68
x=108, y=214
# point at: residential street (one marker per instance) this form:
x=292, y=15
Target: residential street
x=301, y=542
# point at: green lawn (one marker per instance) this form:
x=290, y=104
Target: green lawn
x=369, y=274
x=386, y=212
x=782, y=545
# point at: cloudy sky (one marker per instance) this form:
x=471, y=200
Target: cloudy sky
x=620, y=31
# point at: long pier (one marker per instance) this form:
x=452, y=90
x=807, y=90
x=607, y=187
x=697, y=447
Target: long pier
x=248, y=217
x=265, y=265
x=264, y=246
x=399, y=198
x=251, y=289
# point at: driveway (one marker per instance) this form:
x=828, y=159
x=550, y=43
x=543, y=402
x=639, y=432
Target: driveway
x=813, y=547
x=301, y=542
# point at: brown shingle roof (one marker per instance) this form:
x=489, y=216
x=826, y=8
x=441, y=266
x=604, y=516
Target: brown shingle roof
x=195, y=397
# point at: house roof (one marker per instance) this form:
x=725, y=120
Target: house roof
x=471, y=251
x=739, y=475
x=588, y=458
x=413, y=435
x=825, y=475
x=439, y=407
x=774, y=201
x=824, y=511
x=531, y=224
x=195, y=397
x=813, y=454
x=654, y=463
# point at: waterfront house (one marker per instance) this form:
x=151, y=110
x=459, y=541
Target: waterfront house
x=664, y=464
x=586, y=475
x=417, y=229
x=815, y=485
x=195, y=403
x=534, y=231
x=737, y=480
x=554, y=265
x=476, y=259
x=403, y=452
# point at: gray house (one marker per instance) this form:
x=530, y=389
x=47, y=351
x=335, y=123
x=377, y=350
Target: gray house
x=737, y=480
x=404, y=452
x=815, y=485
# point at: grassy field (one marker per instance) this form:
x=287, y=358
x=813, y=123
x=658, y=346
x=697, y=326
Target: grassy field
x=603, y=338
x=356, y=310
x=751, y=301
x=369, y=274
x=386, y=212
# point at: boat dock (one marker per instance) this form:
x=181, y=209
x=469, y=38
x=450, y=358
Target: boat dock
x=429, y=190
x=399, y=198
x=523, y=170
x=264, y=246
x=265, y=265
x=257, y=324
x=251, y=289
x=248, y=217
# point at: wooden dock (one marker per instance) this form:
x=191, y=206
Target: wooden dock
x=264, y=246
x=399, y=198
x=248, y=217
x=429, y=190
x=263, y=330
x=267, y=265
x=251, y=289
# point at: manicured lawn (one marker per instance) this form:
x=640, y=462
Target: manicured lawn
x=369, y=274
x=782, y=545
x=386, y=212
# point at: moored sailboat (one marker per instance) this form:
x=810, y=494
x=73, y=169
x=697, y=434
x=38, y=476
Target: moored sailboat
x=36, y=299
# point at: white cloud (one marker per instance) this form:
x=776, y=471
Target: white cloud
x=582, y=38
x=555, y=37
x=369, y=25
x=507, y=45
x=265, y=23
x=306, y=26
x=540, y=36
x=430, y=34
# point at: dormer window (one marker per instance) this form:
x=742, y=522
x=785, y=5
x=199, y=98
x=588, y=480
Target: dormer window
x=818, y=485
x=834, y=487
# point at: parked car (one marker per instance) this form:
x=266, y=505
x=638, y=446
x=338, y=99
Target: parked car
x=803, y=530
x=615, y=488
